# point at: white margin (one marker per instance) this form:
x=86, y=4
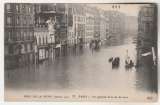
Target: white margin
x=66, y=1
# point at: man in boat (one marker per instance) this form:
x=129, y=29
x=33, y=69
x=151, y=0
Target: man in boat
x=128, y=62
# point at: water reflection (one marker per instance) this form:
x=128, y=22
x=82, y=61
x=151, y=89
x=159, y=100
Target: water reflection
x=84, y=70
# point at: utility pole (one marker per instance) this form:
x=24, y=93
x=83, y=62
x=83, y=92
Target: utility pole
x=154, y=56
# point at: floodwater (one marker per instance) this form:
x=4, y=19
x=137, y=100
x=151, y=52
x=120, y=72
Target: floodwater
x=82, y=71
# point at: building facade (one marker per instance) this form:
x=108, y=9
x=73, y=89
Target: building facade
x=51, y=35
x=104, y=26
x=89, y=30
x=19, y=34
x=97, y=22
x=147, y=33
x=76, y=26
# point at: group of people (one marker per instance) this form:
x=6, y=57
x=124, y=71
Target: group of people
x=129, y=63
x=95, y=44
x=116, y=62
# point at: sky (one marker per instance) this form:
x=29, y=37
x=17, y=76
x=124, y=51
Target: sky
x=128, y=9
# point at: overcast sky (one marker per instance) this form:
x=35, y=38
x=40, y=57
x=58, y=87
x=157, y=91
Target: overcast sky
x=128, y=9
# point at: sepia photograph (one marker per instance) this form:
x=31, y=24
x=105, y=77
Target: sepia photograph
x=81, y=52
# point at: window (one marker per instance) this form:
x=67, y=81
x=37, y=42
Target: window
x=8, y=37
x=10, y=49
x=31, y=36
x=23, y=8
x=28, y=47
x=25, y=47
x=9, y=20
x=17, y=8
x=22, y=37
x=70, y=10
x=148, y=28
x=28, y=35
x=39, y=41
x=39, y=8
x=29, y=10
x=22, y=49
x=143, y=27
x=18, y=35
x=25, y=21
x=31, y=46
x=31, y=22
x=78, y=18
x=150, y=12
x=74, y=11
x=25, y=37
x=17, y=20
x=8, y=7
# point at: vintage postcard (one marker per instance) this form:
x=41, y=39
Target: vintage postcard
x=80, y=52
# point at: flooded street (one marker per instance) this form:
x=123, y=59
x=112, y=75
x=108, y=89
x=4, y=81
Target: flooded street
x=80, y=52
x=82, y=71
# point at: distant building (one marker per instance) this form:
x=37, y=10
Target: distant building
x=131, y=26
x=19, y=34
x=116, y=25
x=89, y=29
x=71, y=35
x=76, y=24
x=104, y=26
x=97, y=20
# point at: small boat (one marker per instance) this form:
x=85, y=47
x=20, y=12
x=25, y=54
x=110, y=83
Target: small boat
x=129, y=63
